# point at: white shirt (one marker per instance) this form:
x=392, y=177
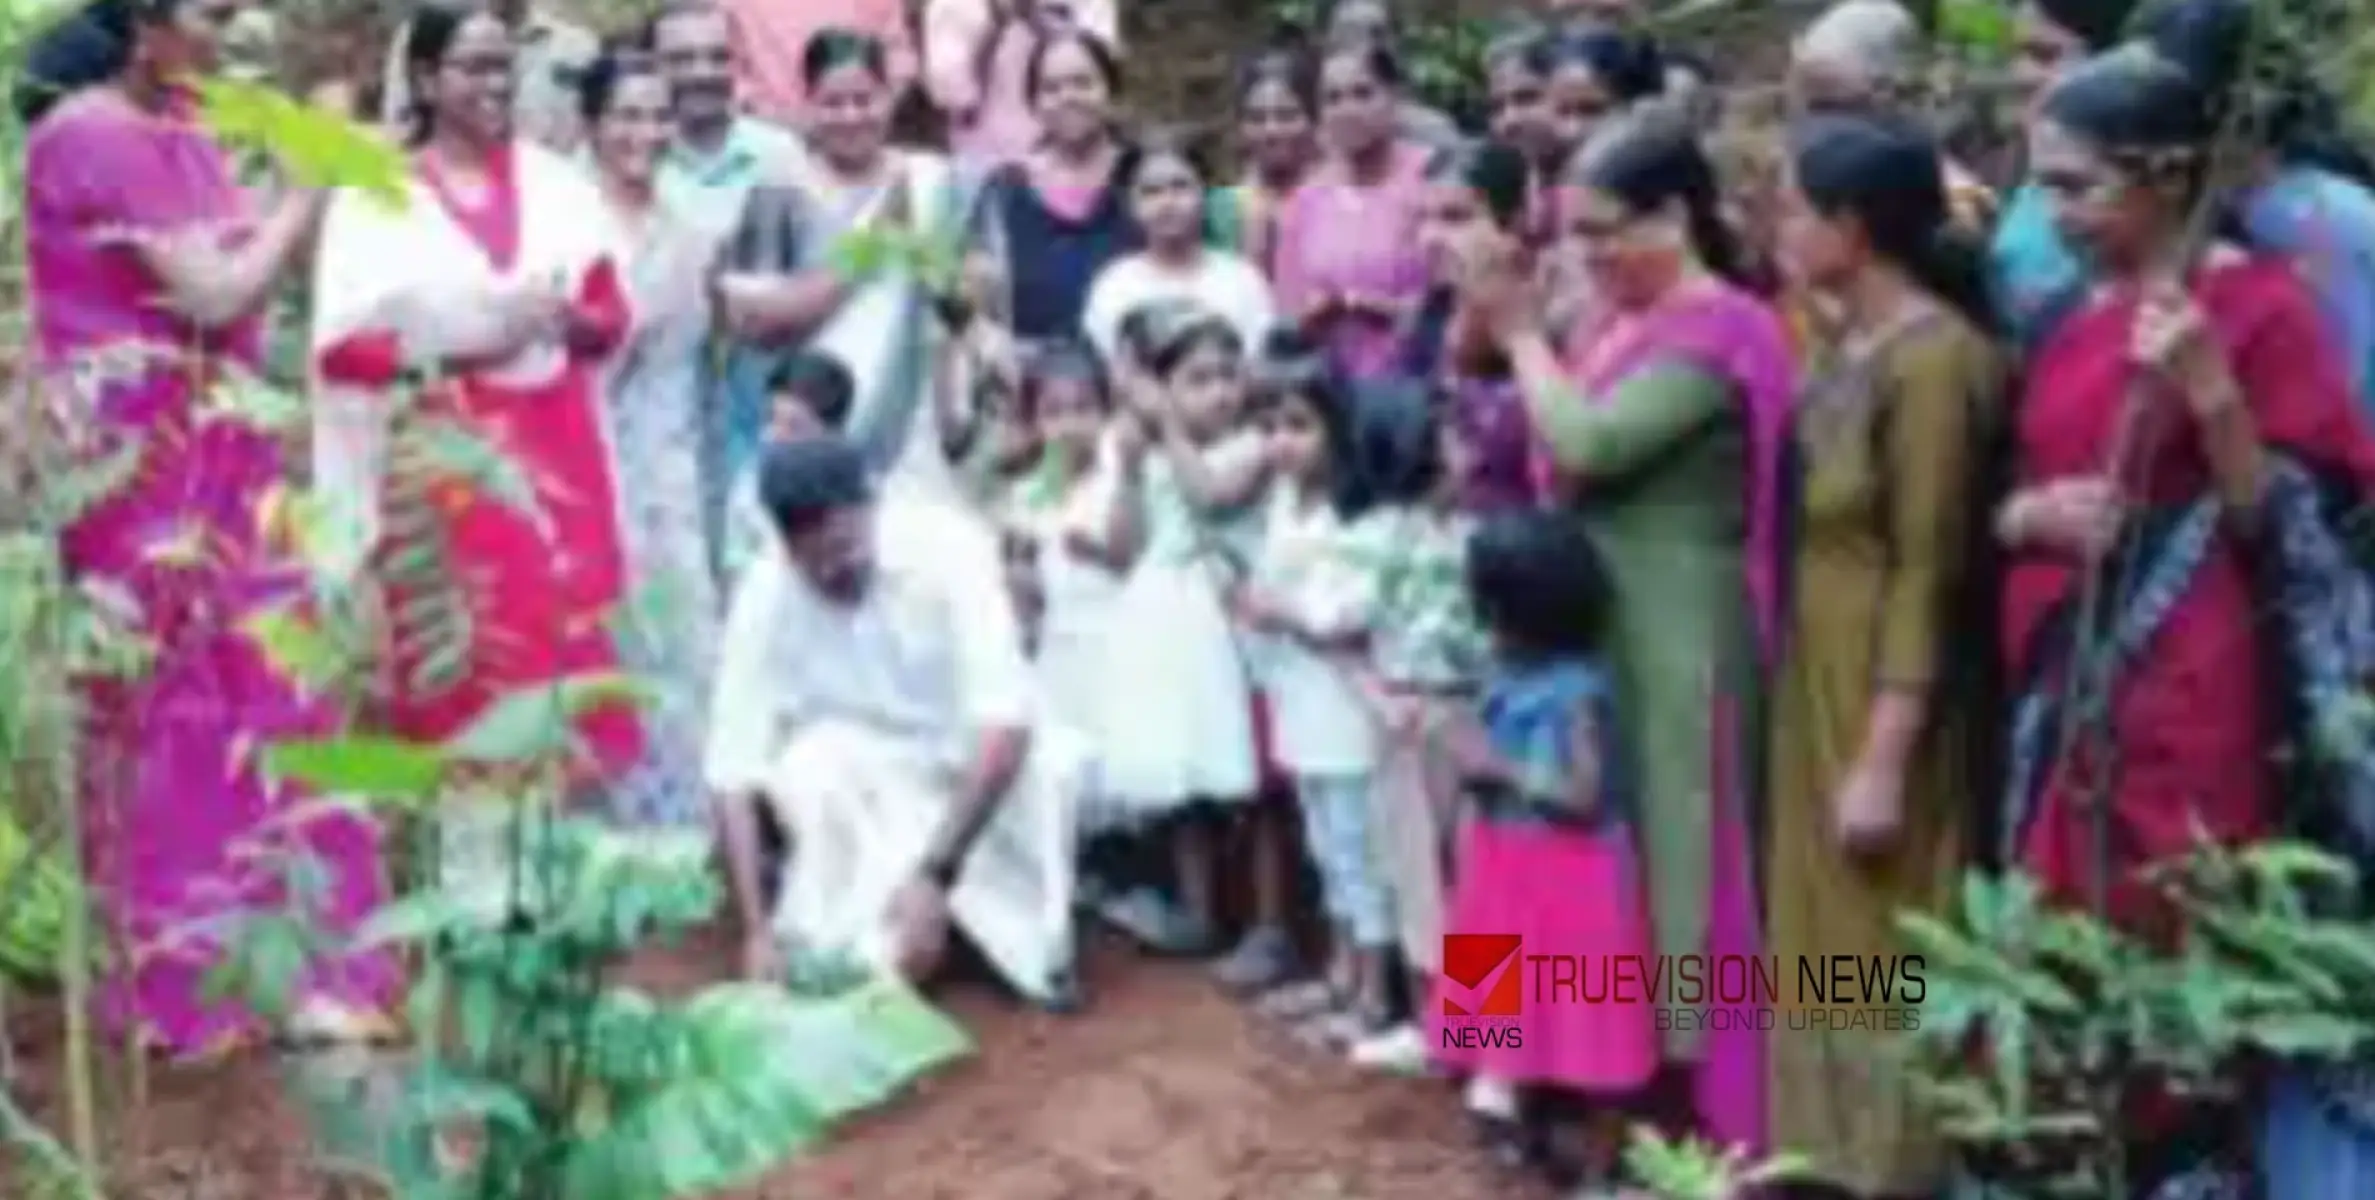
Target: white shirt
x=1223, y=282
x=931, y=651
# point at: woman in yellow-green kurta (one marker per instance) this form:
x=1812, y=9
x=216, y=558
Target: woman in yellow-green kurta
x=1874, y=733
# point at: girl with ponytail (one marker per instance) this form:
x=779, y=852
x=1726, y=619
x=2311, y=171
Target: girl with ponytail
x=1877, y=726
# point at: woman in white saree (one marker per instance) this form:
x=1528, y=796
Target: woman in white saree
x=496, y=289
x=788, y=280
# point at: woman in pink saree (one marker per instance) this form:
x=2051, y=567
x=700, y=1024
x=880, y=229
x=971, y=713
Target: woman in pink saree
x=149, y=269
x=498, y=281
x=1672, y=453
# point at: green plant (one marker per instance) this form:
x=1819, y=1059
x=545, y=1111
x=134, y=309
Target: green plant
x=577, y=1088
x=2045, y=1026
x=1692, y=1169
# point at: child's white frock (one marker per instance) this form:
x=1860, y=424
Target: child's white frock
x=1076, y=632
x=1184, y=729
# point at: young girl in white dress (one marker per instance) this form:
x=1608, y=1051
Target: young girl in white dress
x=1067, y=523
x=1308, y=601
x=1193, y=471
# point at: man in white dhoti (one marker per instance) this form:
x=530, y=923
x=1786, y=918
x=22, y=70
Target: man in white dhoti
x=873, y=695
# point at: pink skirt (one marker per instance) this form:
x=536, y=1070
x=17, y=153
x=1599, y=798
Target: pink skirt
x=1561, y=891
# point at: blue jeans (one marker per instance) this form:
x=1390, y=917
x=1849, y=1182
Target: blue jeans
x=2307, y=1152
x=1336, y=816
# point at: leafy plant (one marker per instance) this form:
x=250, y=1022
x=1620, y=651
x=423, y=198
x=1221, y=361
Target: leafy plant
x=2044, y=1027
x=1693, y=1169
x=575, y=1087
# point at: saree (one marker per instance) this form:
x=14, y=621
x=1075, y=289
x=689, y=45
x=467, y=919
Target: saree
x=1700, y=777
x=397, y=285
x=2188, y=624
x=180, y=825
x=883, y=332
x=2178, y=758
x=653, y=415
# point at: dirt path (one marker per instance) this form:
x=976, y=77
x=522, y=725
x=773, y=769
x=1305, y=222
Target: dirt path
x=1162, y=1090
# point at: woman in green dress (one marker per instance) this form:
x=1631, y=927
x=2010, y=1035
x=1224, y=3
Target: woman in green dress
x=1671, y=453
x=1876, y=730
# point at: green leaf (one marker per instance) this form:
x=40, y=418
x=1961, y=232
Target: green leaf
x=317, y=147
x=536, y=723
x=381, y=767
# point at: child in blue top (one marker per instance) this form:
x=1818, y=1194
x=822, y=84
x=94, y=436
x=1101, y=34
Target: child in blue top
x=1545, y=844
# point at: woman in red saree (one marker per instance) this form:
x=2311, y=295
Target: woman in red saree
x=2186, y=377
x=498, y=280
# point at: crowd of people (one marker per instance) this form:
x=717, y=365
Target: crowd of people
x=1529, y=528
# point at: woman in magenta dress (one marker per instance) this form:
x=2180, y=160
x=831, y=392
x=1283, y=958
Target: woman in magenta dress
x=149, y=270
x=500, y=277
x=2147, y=400
x=1478, y=187
x=1348, y=269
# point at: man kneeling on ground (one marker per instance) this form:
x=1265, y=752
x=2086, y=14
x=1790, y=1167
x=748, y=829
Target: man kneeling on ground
x=873, y=695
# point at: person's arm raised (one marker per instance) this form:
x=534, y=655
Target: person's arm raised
x=213, y=286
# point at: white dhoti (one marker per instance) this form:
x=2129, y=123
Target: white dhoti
x=862, y=807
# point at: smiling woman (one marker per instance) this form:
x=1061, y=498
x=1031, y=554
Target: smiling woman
x=139, y=240
x=499, y=279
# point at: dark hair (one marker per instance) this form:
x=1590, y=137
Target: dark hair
x=2257, y=84
x=597, y=82
x=819, y=381
x=428, y=37
x=1170, y=141
x=1535, y=581
x=1890, y=177
x=1135, y=335
x=801, y=482
x=2100, y=24
x=1290, y=370
x=1101, y=56
x=1288, y=68
x=1174, y=331
x=81, y=50
x=2140, y=110
x=1067, y=360
x=1397, y=436
x=1376, y=59
x=1629, y=66
x=1653, y=159
x=834, y=47
x=1499, y=175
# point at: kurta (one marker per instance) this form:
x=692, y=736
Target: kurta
x=539, y=586
x=1664, y=507
x=1890, y=445
x=1337, y=237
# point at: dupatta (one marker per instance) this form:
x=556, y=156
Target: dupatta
x=393, y=286
x=1722, y=329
